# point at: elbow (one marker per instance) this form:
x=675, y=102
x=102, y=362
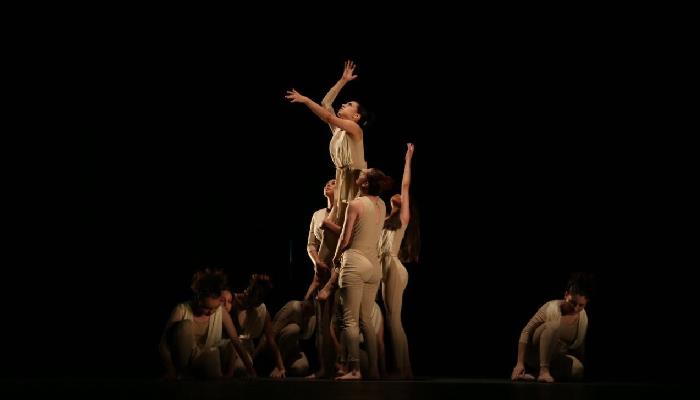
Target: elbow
x=327, y=116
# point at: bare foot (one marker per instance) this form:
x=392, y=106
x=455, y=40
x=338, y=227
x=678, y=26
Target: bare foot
x=340, y=370
x=525, y=377
x=545, y=377
x=350, y=376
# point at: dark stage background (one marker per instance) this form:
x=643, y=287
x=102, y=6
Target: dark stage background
x=526, y=167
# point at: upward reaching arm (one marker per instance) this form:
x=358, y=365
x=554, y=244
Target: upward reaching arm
x=351, y=127
x=348, y=75
x=405, y=185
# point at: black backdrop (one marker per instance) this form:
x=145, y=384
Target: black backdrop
x=528, y=164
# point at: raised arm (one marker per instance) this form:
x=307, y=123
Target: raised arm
x=351, y=127
x=405, y=185
x=348, y=75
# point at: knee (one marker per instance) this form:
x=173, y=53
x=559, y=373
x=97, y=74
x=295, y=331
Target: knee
x=181, y=326
x=392, y=318
x=288, y=336
x=348, y=321
x=178, y=332
x=365, y=324
x=352, y=332
x=290, y=331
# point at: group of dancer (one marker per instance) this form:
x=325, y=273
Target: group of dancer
x=354, y=247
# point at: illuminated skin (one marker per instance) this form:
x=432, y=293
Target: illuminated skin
x=571, y=306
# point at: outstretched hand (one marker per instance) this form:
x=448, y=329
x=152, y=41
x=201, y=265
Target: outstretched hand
x=295, y=97
x=348, y=71
x=409, y=151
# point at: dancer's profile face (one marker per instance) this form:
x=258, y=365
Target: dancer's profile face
x=576, y=302
x=227, y=300
x=348, y=110
x=329, y=188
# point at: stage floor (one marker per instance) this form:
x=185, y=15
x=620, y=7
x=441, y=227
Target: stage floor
x=425, y=388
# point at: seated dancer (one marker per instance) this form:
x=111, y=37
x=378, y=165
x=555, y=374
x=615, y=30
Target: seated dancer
x=250, y=315
x=553, y=341
x=192, y=343
x=293, y=322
